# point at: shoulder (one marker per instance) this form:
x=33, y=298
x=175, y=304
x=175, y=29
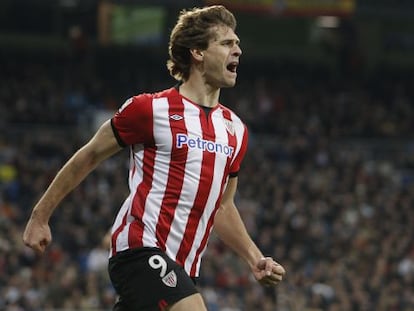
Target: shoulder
x=142, y=100
x=147, y=97
x=171, y=92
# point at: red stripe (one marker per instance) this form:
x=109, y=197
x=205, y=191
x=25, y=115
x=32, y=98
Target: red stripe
x=136, y=230
x=204, y=240
x=232, y=141
x=175, y=173
x=122, y=226
x=116, y=233
x=206, y=179
x=162, y=305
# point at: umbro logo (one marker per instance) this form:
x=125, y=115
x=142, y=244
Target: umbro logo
x=176, y=117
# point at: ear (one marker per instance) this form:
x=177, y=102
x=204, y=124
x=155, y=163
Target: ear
x=197, y=54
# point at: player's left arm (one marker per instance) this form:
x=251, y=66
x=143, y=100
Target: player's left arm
x=230, y=228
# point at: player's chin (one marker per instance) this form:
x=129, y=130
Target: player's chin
x=229, y=83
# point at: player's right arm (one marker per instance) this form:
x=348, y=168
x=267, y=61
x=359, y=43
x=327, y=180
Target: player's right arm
x=103, y=144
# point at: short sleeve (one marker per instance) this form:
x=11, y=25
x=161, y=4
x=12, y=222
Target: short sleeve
x=133, y=122
x=235, y=166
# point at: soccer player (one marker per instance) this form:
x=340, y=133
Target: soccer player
x=185, y=149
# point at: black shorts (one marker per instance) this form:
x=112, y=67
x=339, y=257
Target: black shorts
x=146, y=279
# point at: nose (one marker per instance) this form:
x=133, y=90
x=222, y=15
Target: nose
x=237, y=50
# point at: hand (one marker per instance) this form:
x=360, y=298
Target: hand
x=268, y=272
x=37, y=235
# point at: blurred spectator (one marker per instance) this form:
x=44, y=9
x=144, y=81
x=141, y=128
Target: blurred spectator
x=327, y=188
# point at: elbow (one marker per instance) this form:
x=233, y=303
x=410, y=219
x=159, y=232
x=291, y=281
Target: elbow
x=226, y=206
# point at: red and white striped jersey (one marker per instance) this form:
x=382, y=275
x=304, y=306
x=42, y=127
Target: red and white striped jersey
x=181, y=159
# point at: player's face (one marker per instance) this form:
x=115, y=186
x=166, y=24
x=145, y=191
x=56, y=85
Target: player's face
x=221, y=58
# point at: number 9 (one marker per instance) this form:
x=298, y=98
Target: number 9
x=157, y=262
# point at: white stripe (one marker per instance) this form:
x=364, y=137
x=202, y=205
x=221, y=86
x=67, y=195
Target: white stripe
x=218, y=175
x=135, y=178
x=238, y=132
x=162, y=133
x=137, y=157
x=190, y=182
x=121, y=242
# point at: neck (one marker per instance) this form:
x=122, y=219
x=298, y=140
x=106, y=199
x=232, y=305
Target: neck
x=200, y=93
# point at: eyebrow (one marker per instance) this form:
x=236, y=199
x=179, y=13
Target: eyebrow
x=236, y=40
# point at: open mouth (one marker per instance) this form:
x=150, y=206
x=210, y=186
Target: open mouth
x=232, y=67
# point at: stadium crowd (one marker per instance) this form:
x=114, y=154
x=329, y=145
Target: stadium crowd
x=327, y=188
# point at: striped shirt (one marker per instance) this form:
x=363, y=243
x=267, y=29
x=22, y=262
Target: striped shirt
x=180, y=161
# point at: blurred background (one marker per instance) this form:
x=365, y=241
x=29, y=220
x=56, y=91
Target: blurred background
x=327, y=187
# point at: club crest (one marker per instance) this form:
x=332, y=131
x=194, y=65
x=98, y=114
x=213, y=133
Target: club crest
x=229, y=126
x=170, y=279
